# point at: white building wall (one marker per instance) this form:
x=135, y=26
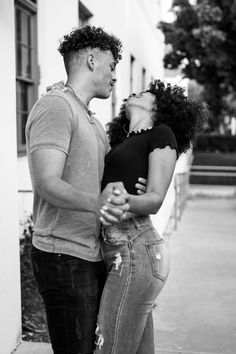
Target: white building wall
x=10, y=309
x=55, y=18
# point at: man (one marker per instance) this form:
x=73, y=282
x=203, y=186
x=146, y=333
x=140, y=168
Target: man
x=66, y=147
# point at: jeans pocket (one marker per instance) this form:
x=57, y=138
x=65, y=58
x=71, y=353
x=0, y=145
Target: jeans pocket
x=111, y=237
x=159, y=258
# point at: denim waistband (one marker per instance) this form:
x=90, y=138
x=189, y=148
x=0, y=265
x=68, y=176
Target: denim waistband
x=129, y=224
x=129, y=230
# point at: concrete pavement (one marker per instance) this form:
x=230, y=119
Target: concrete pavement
x=34, y=348
x=196, y=312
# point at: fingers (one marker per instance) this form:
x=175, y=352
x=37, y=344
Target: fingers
x=119, y=185
x=141, y=186
x=111, y=214
x=142, y=180
x=120, y=200
x=119, y=196
x=104, y=222
x=107, y=217
x=49, y=88
x=59, y=85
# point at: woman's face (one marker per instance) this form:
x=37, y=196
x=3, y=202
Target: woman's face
x=143, y=100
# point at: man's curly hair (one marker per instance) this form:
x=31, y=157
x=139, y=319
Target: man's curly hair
x=89, y=37
x=185, y=117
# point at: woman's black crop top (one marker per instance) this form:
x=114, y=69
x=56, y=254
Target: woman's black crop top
x=128, y=160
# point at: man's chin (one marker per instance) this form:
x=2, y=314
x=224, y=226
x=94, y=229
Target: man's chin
x=103, y=96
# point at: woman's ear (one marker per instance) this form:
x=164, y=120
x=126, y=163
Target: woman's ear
x=90, y=62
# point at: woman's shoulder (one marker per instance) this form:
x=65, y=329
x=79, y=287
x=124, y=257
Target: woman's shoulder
x=162, y=129
x=162, y=136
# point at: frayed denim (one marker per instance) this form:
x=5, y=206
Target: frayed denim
x=137, y=263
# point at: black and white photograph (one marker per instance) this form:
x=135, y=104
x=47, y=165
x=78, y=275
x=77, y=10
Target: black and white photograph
x=118, y=177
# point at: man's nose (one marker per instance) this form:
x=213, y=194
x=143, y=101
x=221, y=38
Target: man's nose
x=114, y=76
x=114, y=79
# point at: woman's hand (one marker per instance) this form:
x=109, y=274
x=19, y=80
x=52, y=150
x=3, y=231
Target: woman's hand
x=141, y=186
x=115, y=206
x=58, y=85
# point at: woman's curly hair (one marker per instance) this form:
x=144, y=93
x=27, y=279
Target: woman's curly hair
x=90, y=36
x=185, y=117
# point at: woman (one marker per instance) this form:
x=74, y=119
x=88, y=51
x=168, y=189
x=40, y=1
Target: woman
x=153, y=128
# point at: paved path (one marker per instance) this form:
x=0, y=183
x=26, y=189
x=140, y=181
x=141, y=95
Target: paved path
x=196, y=312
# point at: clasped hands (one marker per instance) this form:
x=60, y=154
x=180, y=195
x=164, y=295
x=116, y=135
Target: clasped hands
x=114, y=202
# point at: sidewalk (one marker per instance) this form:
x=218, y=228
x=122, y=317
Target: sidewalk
x=33, y=348
x=196, y=312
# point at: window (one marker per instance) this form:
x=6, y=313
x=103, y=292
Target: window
x=84, y=15
x=132, y=59
x=26, y=65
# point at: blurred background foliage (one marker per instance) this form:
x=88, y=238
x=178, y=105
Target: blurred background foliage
x=202, y=42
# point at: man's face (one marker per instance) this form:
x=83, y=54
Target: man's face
x=105, y=77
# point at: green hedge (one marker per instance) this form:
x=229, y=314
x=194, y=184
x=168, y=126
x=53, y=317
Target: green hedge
x=215, y=143
x=214, y=158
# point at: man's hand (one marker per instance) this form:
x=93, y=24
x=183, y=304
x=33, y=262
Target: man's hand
x=141, y=186
x=114, y=202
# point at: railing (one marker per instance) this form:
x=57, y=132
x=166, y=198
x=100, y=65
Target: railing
x=181, y=184
x=218, y=171
x=221, y=175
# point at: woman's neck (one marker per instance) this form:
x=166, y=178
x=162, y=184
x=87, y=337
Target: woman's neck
x=140, y=121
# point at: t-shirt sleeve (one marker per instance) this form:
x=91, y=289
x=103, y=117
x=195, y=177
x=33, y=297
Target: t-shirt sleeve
x=52, y=125
x=161, y=137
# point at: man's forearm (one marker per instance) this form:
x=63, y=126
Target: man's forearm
x=61, y=194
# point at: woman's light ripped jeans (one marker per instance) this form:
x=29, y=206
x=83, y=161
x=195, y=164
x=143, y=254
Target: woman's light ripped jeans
x=137, y=264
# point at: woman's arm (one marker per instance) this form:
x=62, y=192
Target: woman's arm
x=161, y=168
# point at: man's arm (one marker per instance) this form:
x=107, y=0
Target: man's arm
x=48, y=166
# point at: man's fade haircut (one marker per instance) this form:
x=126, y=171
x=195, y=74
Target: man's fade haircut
x=89, y=37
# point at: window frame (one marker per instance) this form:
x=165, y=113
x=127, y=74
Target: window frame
x=30, y=8
x=84, y=15
x=131, y=80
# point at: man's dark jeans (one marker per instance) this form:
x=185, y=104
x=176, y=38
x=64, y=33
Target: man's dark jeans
x=71, y=288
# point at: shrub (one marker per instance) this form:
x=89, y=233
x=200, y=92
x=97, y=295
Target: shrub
x=33, y=314
x=215, y=143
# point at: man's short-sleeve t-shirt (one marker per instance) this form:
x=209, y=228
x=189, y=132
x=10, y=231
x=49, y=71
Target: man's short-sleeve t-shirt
x=57, y=121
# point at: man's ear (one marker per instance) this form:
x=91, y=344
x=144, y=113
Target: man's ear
x=91, y=62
